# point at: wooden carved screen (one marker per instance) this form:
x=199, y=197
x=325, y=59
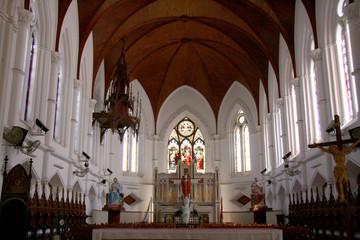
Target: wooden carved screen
x=15, y=201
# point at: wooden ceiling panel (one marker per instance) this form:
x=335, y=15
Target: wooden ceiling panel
x=205, y=44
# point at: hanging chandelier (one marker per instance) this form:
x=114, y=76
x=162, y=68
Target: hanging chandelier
x=119, y=114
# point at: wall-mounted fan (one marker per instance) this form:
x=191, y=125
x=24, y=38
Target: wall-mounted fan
x=30, y=147
x=15, y=136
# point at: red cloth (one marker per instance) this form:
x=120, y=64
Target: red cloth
x=201, y=163
x=188, y=159
x=186, y=187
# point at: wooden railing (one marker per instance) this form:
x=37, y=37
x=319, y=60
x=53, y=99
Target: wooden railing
x=326, y=218
x=54, y=216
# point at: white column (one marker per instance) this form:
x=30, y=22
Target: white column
x=45, y=177
x=260, y=147
x=324, y=108
x=92, y=103
x=217, y=151
x=321, y=85
x=155, y=151
x=55, y=62
x=300, y=122
x=285, y=142
x=271, y=146
x=25, y=17
x=74, y=121
x=70, y=176
x=351, y=12
x=7, y=33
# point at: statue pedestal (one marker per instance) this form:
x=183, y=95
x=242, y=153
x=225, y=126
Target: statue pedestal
x=260, y=214
x=113, y=213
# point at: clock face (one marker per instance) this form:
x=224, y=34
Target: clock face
x=186, y=128
x=241, y=119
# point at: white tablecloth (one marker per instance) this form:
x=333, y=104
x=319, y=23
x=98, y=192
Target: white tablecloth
x=187, y=233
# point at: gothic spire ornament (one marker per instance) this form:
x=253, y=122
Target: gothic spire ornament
x=119, y=113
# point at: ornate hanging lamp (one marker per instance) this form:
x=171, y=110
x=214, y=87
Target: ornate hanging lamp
x=119, y=113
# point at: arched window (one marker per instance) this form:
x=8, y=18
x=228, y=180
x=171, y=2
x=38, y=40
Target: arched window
x=186, y=145
x=59, y=100
x=346, y=82
x=31, y=77
x=241, y=144
x=130, y=152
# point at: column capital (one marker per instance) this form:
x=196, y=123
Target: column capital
x=316, y=54
x=258, y=128
x=77, y=83
x=351, y=11
x=216, y=136
x=55, y=57
x=156, y=137
x=269, y=116
x=92, y=103
x=296, y=82
x=356, y=72
x=24, y=16
x=280, y=102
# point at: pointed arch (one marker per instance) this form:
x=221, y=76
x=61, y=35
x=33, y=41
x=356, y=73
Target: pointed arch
x=317, y=180
x=296, y=187
x=77, y=187
x=56, y=180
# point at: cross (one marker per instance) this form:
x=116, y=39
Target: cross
x=336, y=150
x=339, y=142
x=186, y=182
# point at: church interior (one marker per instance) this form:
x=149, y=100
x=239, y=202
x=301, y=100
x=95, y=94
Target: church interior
x=217, y=112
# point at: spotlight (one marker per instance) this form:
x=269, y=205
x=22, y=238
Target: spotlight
x=108, y=173
x=269, y=181
x=286, y=165
x=41, y=125
x=38, y=128
x=286, y=156
x=263, y=171
x=331, y=127
x=86, y=164
x=103, y=181
x=86, y=156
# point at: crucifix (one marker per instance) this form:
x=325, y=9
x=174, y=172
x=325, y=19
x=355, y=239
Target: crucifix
x=336, y=150
x=186, y=182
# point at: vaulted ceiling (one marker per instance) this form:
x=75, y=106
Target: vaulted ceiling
x=205, y=44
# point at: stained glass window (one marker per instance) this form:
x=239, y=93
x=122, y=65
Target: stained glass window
x=130, y=152
x=186, y=146
x=241, y=144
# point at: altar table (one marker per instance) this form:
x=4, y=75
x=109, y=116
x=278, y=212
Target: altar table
x=187, y=233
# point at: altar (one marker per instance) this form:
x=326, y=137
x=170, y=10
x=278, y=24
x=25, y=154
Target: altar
x=188, y=233
x=204, y=198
